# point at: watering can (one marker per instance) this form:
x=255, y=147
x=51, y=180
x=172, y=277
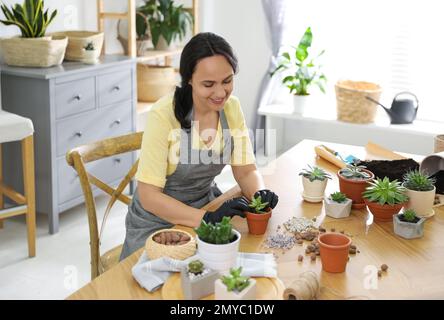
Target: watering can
x=403, y=110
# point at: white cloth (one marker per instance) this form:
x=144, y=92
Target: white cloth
x=14, y=127
x=151, y=274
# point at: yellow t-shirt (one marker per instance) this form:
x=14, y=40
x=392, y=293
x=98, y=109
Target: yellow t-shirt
x=159, y=154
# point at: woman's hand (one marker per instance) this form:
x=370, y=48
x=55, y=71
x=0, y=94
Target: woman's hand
x=230, y=208
x=268, y=196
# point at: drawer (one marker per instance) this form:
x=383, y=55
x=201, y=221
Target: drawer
x=107, y=170
x=75, y=97
x=115, y=87
x=93, y=126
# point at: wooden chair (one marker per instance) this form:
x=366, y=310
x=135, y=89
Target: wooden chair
x=17, y=128
x=77, y=158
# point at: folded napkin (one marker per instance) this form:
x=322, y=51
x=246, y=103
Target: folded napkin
x=151, y=274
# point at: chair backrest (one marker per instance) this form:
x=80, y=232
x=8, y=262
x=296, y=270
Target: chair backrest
x=77, y=158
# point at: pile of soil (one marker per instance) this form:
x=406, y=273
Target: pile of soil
x=393, y=169
x=439, y=176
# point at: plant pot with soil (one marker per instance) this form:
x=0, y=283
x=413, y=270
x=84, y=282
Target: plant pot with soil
x=421, y=192
x=197, y=280
x=90, y=54
x=408, y=225
x=352, y=182
x=314, y=181
x=258, y=220
x=172, y=243
x=218, y=245
x=235, y=287
x=385, y=198
x=337, y=205
x=334, y=248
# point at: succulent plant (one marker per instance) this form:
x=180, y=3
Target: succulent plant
x=196, y=267
x=418, y=181
x=409, y=215
x=338, y=197
x=258, y=205
x=220, y=233
x=314, y=173
x=385, y=192
x=234, y=281
x=90, y=46
x=354, y=172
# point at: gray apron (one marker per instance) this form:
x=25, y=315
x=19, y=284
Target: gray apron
x=191, y=183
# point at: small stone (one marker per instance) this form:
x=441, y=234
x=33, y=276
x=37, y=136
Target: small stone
x=318, y=253
x=313, y=257
x=384, y=267
x=348, y=258
x=300, y=258
x=353, y=247
x=314, y=219
x=352, y=251
x=332, y=229
x=311, y=248
x=379, y=273
x=300, y=241
x=321, y=229
x=342, y=231
x=307, y=251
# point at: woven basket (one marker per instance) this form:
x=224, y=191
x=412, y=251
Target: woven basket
x=156, y=250
x=34, y=52
x=77, y=40
x=154, y=82
x=439, y=143
x=352, y=106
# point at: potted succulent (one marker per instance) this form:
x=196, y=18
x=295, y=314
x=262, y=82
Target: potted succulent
x=385, y=198
x=90, y=54
x=334, y=248
x=408, y=225
x=314, y=181
x=258, y=220
x=197, y=280
x=421, y=192
x=304, y=72
x=353, y=180
x=337, y=205
x=235, y=287
x=218, y=245
x=33, y=48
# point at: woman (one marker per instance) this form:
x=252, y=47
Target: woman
x=188, y=139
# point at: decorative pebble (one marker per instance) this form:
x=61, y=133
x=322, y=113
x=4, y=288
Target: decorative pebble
x=298, y=224
x=313, y=257
x=194, y=276
x=332, y=229
x=384, y=267
x=300, y=258
x=379, y=273
x=280, y=241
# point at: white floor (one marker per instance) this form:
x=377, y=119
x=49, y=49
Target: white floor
x=62, y=262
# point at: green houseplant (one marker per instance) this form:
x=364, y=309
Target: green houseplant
x=258, y=220
x=303, y=71
x=218, y=244
x=33, y=48
x=421, y=191
x=197, y=280
x=234, y=286
x=337, y=205
x=384, y=198
x=353, y=180
x=408, y=225
x=314, y=181
x=90, y=54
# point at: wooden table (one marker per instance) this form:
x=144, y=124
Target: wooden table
x=416, y=267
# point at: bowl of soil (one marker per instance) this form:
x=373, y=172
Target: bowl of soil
x=393, y=169
x=172, y=243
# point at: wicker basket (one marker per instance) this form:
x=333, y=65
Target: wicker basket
x=153, y=82
x=77, y=40
x=352, y=106
x=34, y=52
x=439, y=143
x=156, y=250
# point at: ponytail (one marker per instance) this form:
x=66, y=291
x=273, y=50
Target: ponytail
x=183, y=103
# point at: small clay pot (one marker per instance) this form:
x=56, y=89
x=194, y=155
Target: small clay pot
x=353, y=189
x=334, y=248
x=383, y=213
x=258, y=222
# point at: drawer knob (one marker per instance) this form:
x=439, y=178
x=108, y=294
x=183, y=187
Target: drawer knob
x=116, y=88
x=78, y=134
x=78, y=97
x=117, y=121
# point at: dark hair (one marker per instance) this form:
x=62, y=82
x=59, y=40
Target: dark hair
x=201, y=46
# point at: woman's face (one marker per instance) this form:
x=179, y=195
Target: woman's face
x=212, y=83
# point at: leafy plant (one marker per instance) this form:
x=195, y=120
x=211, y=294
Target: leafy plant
x=234, y=281
x=385, y=192
x=90, y=46
x=305, y=72
x=354, y=172
x=163, y=18
x=338, y=197
x=314, y=173
x=418, y=181
x=30, y=17
x=220, y=233
x=409, y=215
x=258, y=205
x=196, y=267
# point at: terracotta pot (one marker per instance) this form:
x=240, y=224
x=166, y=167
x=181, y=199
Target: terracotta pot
x=383, y=213
x=257, y=223
x=334, y=249
x=353, y=189
x=421, y=202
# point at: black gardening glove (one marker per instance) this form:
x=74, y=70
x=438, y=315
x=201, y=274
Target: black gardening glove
x=268, y=196
x=229, y=208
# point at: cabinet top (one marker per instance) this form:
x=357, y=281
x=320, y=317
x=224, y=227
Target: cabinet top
x=66, y=68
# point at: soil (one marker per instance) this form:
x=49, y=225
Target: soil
x=393, y=169
x=401, y=217
x=439, y=176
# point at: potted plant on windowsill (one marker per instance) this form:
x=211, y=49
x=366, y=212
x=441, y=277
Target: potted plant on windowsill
x=337, y=205
x=304, y=72
x=385, y=198
x=421, y=192
x=235, y=287
x=218, y=245
x=258, y=220
x=408, y=225
x=197, y=280
x=352, y=182
x=314, y=181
